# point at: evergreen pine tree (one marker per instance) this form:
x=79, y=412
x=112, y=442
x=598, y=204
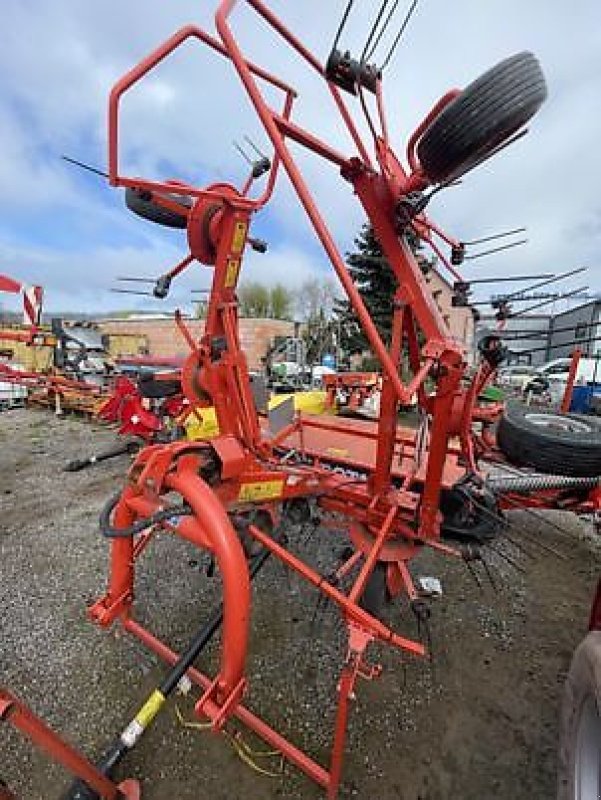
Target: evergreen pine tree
x=376, y=283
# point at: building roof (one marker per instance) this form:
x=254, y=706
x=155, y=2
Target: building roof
x=590, y=304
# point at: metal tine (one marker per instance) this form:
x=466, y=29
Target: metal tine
x=506, y=524
x=382, y=30
x=539, y=517
x=518, y=545
x=564, y=296
x=342, y=24
x=428, y=642
x=85, y=166
x=463, y=171
x=507, y=558
x=132, y=291
x=501, y=520
x=244, y=155
x=426, y=637
x=444, y=185
x=544, y=546
x=520, y=333
x=508, y=142
x=473, y=573
x=312, y=527
x=319, y=610
x=494, y=236
x=488, y=571
x=286, y=572
x=254, y=146
x=496, y=250
x=373, y=31
x=399, y=35
x=553, y=279
x=509, y=279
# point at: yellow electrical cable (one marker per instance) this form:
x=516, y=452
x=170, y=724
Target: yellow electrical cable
x=243, y=750
x=201, y=726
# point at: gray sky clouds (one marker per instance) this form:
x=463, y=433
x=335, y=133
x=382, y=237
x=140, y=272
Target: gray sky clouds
x=59, y=59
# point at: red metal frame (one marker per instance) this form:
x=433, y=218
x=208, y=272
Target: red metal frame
x=393, y=508
x=25, y=721
x=56, y=383
x=387, y=520
x=566, y=400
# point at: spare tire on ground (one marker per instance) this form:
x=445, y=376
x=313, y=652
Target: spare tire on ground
x=551, y=442
x=483, y=116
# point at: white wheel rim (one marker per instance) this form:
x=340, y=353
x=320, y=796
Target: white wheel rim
x=587, y=779
x=559, y=423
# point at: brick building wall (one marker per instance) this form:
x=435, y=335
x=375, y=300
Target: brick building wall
x=165, y=340
x=459, y=320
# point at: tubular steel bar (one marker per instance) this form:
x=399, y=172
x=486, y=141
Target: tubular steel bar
x=138, y=72
x=22, y=718
x=378, y=194
x=272, y=128
x=392, y=513
x=293, y=754
x=378, y=629
x=566, y=400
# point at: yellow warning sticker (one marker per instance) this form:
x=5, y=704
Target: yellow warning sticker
x=150, y=708
x=239, y=237
x=337, y=451
x=231, y=272
x=261, y=490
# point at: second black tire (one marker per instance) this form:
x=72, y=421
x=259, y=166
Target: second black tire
x=551, y=442
x=138, y=201
x=484, y=115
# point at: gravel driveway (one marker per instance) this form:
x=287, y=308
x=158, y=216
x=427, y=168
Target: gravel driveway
x=480, y=721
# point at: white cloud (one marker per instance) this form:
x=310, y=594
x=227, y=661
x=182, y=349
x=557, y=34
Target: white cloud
x=57, y=66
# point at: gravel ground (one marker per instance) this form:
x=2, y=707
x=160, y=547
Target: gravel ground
x=479, y=721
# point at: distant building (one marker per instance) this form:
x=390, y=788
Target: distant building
x=459, y=320
x=165, y=340
x=579, y=327
x=528, y=337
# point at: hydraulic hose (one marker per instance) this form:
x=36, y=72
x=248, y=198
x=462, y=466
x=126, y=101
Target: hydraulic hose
x=141, y=525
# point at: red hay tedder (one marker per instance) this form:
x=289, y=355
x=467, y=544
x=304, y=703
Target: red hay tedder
x=397, y=490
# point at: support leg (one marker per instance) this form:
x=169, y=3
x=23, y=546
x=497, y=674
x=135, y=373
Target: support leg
x=358, y=641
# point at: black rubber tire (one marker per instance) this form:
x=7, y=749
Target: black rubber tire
x=151, y=387
x=376, y=595
x=483, y=116
x=550, y=442
x=136, y=201
x=580, y=726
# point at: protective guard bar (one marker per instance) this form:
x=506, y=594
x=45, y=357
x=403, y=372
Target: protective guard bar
x=144, y=67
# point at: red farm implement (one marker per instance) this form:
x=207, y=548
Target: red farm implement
x=395, y=489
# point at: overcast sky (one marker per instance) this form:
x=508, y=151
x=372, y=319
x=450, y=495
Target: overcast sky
x=68, y=231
